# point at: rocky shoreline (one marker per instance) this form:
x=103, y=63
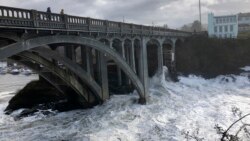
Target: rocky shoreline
x=40, y=96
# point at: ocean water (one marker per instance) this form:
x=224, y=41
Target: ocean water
x=193, y=105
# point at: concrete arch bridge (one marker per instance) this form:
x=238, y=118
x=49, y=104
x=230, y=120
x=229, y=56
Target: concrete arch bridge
x=90, y=57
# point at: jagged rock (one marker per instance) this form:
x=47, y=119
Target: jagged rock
x=33, y=94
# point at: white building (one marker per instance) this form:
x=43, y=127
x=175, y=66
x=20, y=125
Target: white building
x=223, y=26
x=244, y=22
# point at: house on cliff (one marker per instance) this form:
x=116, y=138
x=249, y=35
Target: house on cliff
x=244, y=22
x=229, y=26
x=223, y=26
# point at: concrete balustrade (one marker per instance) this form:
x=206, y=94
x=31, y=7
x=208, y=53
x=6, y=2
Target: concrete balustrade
x=17, y=17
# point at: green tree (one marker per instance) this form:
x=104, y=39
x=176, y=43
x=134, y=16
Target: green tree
x=196, y=26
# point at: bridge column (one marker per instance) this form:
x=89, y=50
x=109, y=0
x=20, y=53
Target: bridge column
x=173, y=50
x=66, y=52
x=160, y=58
x=173, y=55
x=123, y=50
x=127, y=57
x=103, y=75
x=70, y=52
x=73, y=51
x=143, y=68
x=86, y=57
x=119, y=72
x=132, y=56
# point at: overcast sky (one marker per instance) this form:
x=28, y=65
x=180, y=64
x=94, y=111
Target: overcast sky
x=174, y=13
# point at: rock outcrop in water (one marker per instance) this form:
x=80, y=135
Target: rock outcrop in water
x=40, y=95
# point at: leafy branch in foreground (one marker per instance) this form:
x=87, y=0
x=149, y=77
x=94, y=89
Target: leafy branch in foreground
x=192, y=136
x=243, y=128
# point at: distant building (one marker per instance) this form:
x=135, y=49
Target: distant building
x=244, y=22
x=223, y=26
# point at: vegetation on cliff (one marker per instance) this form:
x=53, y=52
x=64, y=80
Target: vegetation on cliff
x=210, y=57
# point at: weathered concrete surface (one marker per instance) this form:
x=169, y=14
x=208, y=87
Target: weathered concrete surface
x=72, y=66
x=66, y=76
x=41, y=41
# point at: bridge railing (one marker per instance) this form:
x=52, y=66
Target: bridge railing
x=16, y=17
x=47, y=20
x=76, y=23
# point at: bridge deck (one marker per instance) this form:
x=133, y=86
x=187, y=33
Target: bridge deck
x=31, y=19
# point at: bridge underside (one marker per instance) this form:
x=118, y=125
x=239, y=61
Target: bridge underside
x=92, y=57
x=93, y=67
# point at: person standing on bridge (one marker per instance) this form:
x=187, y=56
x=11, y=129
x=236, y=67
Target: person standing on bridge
x=49, y=13
x=62, y=11
x=62, y=15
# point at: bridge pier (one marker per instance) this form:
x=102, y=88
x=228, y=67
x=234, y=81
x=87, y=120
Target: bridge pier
x=84, y=58
x=132, y=56
x=160, y=58
x=119, y=47
x=127, y=56
x=143, y=68
x=173, y=69
x=87, y=60
x=104, y=75
x=70, y=52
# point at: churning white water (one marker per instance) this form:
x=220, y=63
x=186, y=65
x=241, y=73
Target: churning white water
x=192, y=104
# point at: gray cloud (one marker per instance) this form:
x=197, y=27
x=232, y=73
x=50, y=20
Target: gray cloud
x=175, y=13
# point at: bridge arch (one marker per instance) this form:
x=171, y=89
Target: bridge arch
x=76, y=69
x=178, y=42
x=137, y=52
x=127, y=49
x=116, y=38
x=168, y=41
x=153, y=47
x=167, y=49
x=136, y=38
x=105, y=41
x=53, y=73
x=18, y=47
x=116, y=44
x=36, y=68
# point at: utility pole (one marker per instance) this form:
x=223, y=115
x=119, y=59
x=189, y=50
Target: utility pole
x=200, y=14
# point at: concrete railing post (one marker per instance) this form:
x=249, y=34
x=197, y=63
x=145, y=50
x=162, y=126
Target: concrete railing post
x=132, y=29
x=34, y=18
x=65, y=21
x=106, y=24
x=88, y=23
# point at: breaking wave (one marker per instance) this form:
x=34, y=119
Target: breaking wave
x=192, y=104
